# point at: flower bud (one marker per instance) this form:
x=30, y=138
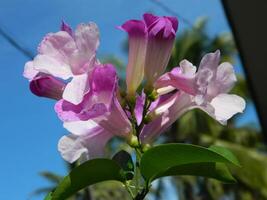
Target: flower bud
x=161, y=36
x=47, y=86
x=137, y=33
x=133, y=141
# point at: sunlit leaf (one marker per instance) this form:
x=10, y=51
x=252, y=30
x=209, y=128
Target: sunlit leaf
x=170, y=158
x=88, y=173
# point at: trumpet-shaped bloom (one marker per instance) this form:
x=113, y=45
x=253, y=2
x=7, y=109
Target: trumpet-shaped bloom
x=94, y=121
x=163, y=113
x=100, y=104
x=205, y=89
x=161, y=35
x=208, y=86
x=137, y=32
x=150, y=45
x=67, y=55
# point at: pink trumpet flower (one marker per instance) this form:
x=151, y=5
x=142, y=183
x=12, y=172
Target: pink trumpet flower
x=205, y=89
x=150, y=44
x=161, y=36
x=67, y=55
x=137, y=32
x=100, y=104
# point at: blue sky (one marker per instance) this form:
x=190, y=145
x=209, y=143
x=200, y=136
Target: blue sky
x=29, y=127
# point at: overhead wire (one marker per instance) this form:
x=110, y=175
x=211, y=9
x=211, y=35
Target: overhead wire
x=14, y=43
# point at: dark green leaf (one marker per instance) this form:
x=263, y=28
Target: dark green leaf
x=124, y=160
x=217, y=171
x=225, y=153
x=88, y=173
x=158, y=160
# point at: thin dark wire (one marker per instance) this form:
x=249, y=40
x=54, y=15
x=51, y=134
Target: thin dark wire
x=16, y=45
x=172, y=12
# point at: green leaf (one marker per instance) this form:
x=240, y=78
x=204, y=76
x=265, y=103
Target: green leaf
x=174, y=157
x=217, y=171
x=225, y=153
x=86, y=174
x=124, y=160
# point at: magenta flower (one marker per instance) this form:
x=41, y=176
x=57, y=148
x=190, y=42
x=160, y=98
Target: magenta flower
x=164, y=113
x=205, y=89
x=66, y=55
x=47, y=86
x=100, y=104
x=150, y=44
x=137, y=32
x=161, y=36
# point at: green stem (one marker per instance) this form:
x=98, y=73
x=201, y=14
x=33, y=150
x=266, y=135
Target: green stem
x=141, y=195
x=129, y=190
x=141, y=189
x=137, y=170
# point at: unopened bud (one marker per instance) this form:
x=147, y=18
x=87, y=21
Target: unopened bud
x=146, y=147
x=47, y=86
x=133, y=142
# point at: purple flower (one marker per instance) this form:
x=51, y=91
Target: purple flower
x=100, y=104
x=137, y=32
x=161, y=36
x=207, y=87
x=165, y=112
x=47, y=86
x=67, y=55
x=150, y=44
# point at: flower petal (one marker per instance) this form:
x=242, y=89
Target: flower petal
x=161, y=35
x=226, y=77
x=139, y=107
x=52, y=66
x=59, y=45
x=182, y=78
x=210, y=61
x=164, y=115
x=91, y=145
x=116, y=120
x=81, y=127
x=76, y=89
x=66, y=27
x=103, y=85
x=137, y=33
x=71, y=148
x=227, y=105
x=29, y=71
x=87, y=38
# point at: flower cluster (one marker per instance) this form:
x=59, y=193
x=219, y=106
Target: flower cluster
x=94, y=109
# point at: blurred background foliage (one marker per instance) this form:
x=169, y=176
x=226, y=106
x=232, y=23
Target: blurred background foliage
x=198, y=128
